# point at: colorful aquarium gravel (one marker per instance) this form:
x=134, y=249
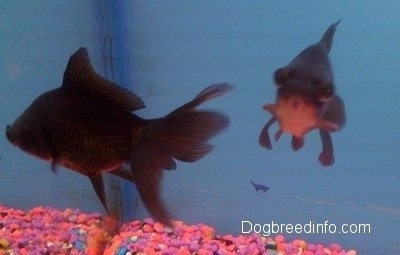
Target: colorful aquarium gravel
x=44, y=230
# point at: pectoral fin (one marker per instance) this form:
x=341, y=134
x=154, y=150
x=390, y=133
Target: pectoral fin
x=271, y=108
x=47, y=147
x=334, y=112
x=326, y=125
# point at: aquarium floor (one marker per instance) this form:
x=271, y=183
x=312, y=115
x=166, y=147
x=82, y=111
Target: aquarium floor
x=44, y=230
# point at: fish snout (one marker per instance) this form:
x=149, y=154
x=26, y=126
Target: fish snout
x=9, y=134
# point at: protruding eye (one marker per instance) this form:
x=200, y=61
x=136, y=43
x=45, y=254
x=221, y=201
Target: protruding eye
x=326, y=92
x=282, y=75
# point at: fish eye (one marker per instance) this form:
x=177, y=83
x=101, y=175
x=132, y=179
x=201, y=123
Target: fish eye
x=327, y=94
x=281, y=75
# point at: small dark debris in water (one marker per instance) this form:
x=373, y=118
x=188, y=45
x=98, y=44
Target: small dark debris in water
x=259, y=187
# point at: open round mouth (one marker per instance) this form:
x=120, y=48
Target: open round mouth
x=8, y=134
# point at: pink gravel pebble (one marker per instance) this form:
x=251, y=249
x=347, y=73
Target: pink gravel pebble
x=335, y=247
x=279, y=238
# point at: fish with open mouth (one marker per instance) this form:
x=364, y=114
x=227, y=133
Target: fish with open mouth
x=306, y=99
x=87, y=125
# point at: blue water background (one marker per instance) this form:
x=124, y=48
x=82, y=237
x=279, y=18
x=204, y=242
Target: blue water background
x=176, y=48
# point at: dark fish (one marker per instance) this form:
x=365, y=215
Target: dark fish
x=306, y=99
x=87, y=126
x=259, y=187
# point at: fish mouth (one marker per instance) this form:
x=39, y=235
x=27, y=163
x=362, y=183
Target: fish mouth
x=8, y=134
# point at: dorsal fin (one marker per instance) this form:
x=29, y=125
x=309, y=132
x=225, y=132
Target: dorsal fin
x=327, y=38
x=80, y=74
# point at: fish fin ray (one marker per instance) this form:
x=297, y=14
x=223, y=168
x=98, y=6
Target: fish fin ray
x=196, y=153
x=183, y=135
x=180, y=135
x=80, y=74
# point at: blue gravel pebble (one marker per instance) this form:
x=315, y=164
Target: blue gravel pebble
x=121, y=251
x=80, y=245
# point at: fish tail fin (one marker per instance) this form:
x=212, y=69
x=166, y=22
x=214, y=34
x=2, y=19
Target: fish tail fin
x=181, y=135
x=327, y=38
x=212, y=91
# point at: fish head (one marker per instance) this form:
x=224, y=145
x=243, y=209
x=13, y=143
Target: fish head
x=299, y=103
x=312, y=87
x=28, y=136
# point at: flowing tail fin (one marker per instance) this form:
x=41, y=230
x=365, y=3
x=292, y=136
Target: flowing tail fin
x=181, y=135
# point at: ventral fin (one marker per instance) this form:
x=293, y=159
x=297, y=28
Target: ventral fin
x=80, y=74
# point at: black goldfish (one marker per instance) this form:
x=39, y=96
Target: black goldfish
x=306, y=99
x=87, y=125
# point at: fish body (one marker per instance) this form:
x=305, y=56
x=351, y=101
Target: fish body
x=306, y=99
x=87, y=125
x=259, y=187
